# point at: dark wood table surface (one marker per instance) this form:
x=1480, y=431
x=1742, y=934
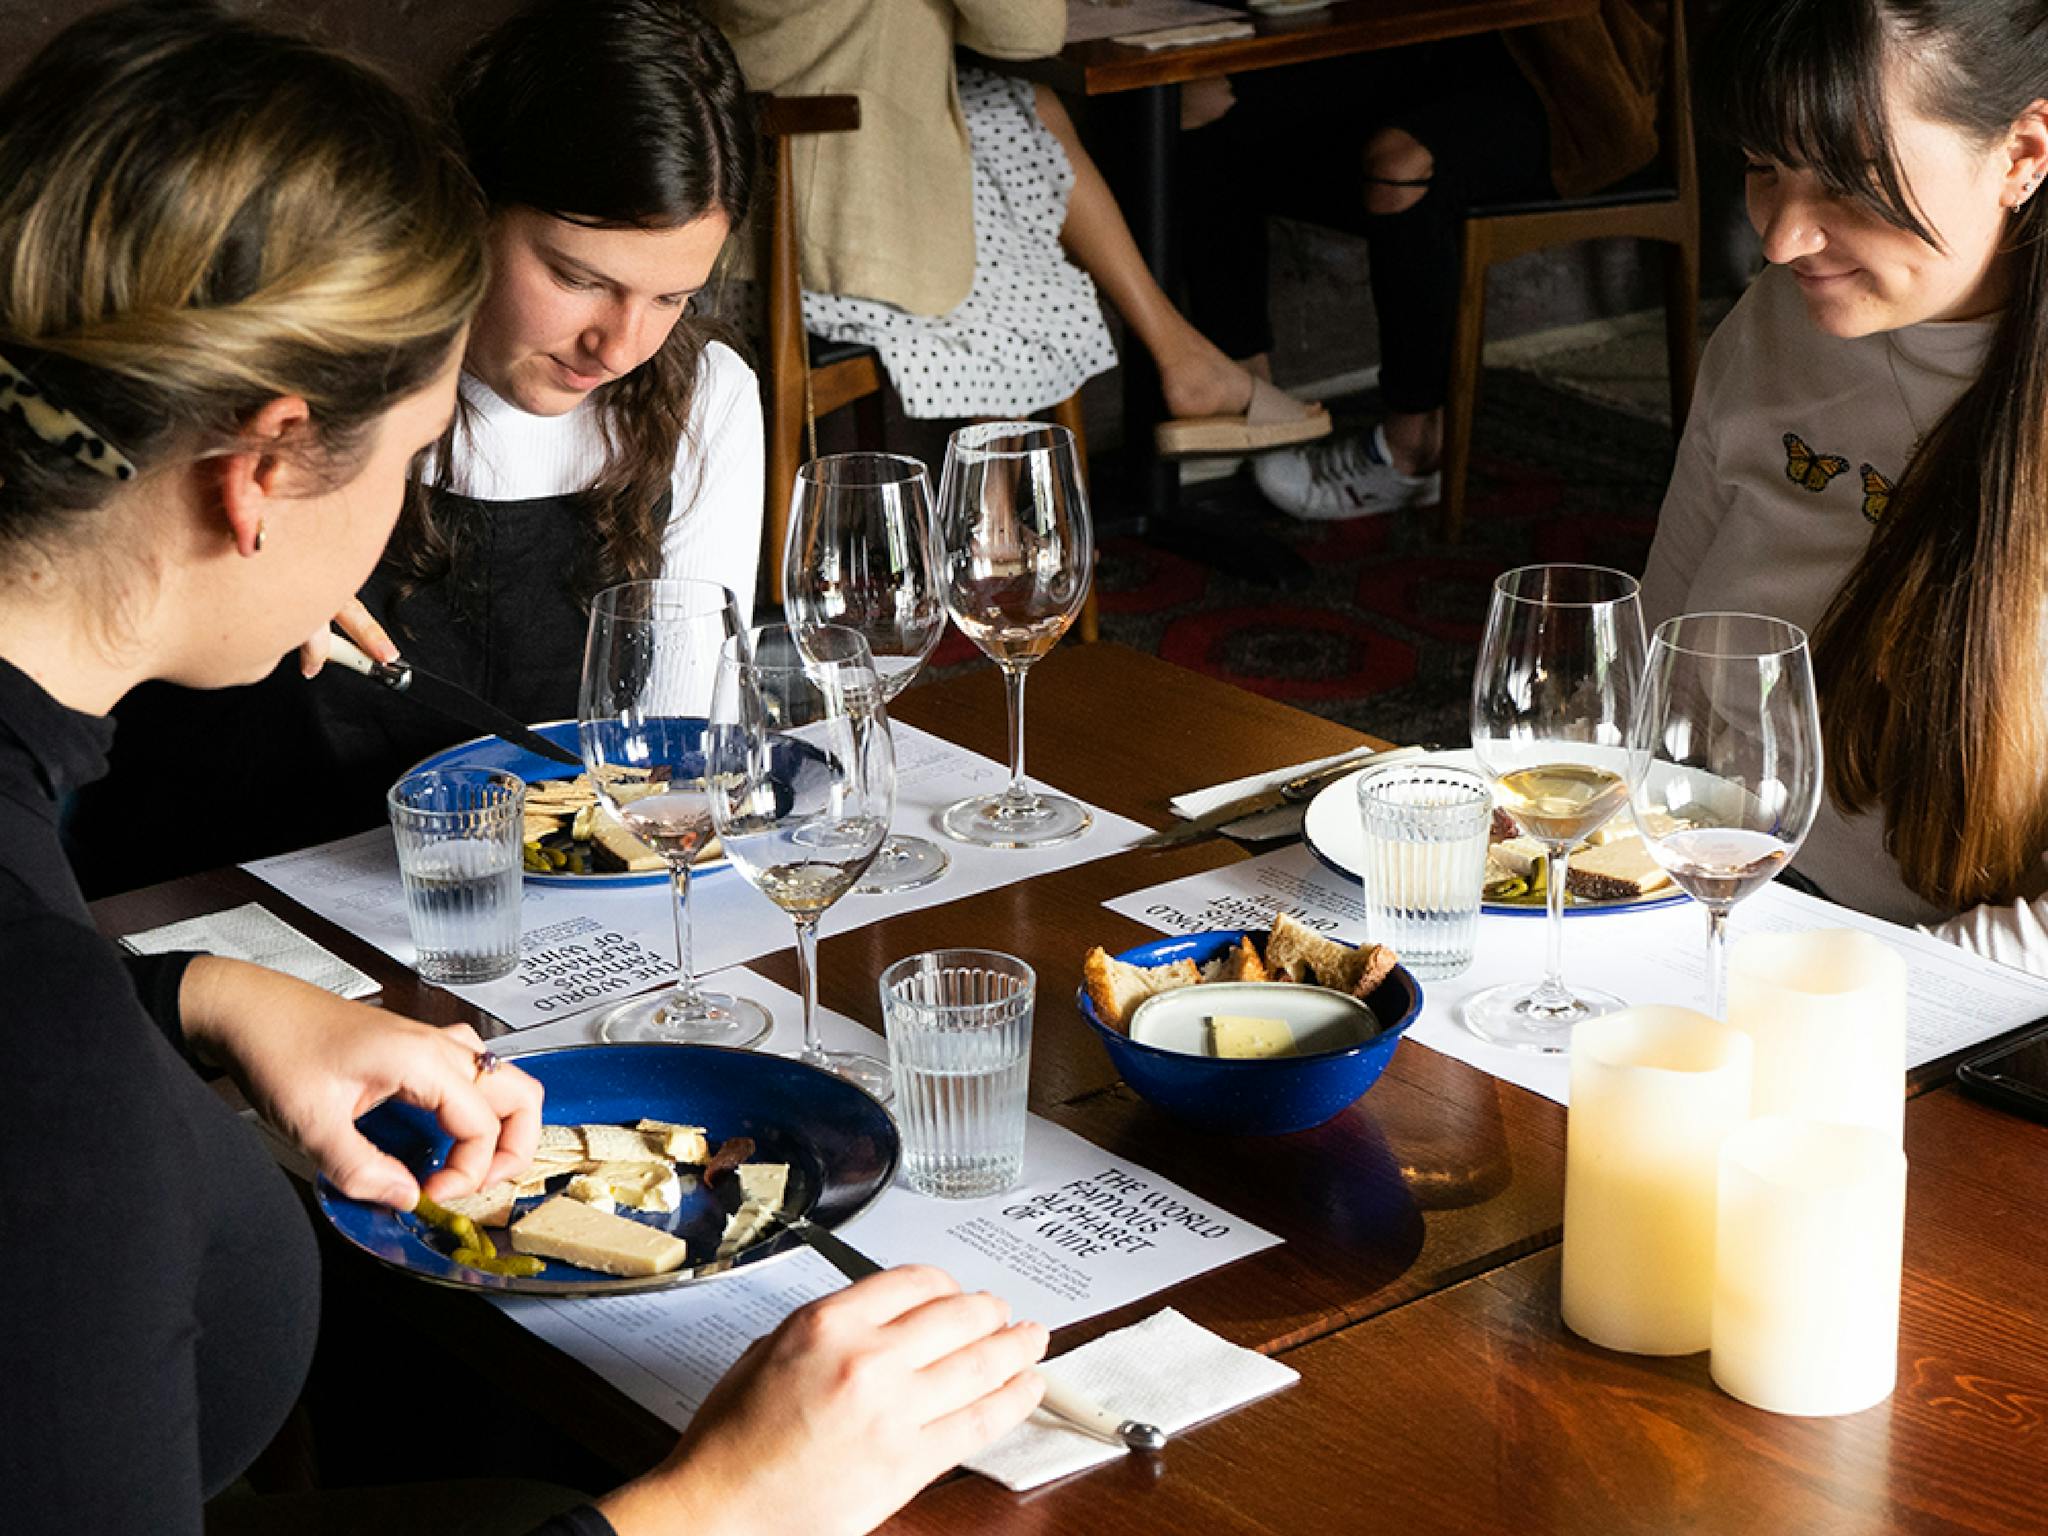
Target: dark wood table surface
x=1416, y=1291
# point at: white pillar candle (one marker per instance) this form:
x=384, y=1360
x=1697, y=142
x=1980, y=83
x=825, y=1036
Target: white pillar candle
x=1827, y=1010
x=1654, y=1091
x=1806, y=1291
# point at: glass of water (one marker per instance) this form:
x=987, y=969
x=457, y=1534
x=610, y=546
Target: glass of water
x=959, y=1026
x=1425, y=861
x=458, y=833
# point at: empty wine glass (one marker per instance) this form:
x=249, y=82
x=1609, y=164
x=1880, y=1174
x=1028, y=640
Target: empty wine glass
x=1552, y=701
x=803, y=782
x=862, y=553
x=1018, y=556
x=1725, y=761
x=650, y=666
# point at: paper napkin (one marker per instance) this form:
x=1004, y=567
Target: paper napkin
x=1182, y=37
x=1165, y=1371
x=1260, y=826
x=251, y=933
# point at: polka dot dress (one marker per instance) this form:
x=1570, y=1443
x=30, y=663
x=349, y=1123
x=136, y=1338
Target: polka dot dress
x=1030, y=330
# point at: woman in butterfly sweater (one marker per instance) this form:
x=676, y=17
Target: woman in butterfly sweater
x=1867, y=455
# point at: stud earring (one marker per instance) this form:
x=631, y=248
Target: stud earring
x=257, y=548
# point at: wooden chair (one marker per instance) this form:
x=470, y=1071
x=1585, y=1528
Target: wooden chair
x=1662, y=206
x=807, y=376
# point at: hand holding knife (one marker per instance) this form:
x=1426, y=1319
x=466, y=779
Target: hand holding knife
x=445, y=697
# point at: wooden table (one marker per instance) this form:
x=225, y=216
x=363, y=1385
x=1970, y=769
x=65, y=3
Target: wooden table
x=1416, y=1291
x=1150, y=80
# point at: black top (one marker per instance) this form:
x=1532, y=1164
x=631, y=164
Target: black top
x=284, y=764
x=159, y=1285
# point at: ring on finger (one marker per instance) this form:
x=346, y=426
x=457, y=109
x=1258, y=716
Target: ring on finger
x=487, y=1062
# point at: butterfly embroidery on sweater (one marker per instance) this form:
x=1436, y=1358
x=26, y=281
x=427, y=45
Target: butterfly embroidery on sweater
x=1804, y=467
x=1877, y=493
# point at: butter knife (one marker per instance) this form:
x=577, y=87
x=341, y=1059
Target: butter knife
x=1063, y=1402
x=444, y=697
x=1300, y=787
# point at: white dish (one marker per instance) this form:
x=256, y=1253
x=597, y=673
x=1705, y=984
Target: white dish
x=1322, y=1019
x=1333, y=832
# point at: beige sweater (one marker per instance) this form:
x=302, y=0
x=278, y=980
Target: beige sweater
x=887, y=212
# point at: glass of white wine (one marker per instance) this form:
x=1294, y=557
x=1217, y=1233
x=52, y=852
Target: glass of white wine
x=863, y=552
x=1552, y=701
x=803, y=783
x=650, y=664
x=1725, y=761
x=1019, y=553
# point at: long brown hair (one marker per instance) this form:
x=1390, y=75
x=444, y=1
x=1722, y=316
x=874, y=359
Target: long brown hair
x=200, y=214
x=1930, y=660
x=616, y=114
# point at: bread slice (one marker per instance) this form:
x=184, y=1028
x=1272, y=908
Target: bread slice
x=1614, y=872
x=1116, y=988
x=1294, y=953
x=1241, y=962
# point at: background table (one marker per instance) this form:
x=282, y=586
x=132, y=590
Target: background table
x=1416, y=1291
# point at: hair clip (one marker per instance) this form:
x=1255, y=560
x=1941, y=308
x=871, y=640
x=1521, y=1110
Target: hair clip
x=29, y=404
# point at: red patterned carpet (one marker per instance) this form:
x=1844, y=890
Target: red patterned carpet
x=1377, y=622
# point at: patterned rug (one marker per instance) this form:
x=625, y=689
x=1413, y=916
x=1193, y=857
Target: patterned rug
x=1376, y=623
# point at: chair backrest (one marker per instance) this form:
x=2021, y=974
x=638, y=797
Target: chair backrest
x=1676, y=127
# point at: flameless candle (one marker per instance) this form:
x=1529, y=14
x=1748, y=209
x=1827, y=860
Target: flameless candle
x=1654, y=1091
x=1827, y=1011
x=1808, y=1254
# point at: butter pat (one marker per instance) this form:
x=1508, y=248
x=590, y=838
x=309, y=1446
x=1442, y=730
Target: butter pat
x=1240, y=1035
x=571, y=1231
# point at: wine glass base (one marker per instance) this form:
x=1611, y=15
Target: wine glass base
x=991, y=821
x=660, y=1019
x=904, y=864
x=868, y=1073
x=1506, y=1015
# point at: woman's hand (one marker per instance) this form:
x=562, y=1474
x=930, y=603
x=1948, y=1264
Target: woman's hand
x=833, y=1422
x=312, y=1062
x=356, y=622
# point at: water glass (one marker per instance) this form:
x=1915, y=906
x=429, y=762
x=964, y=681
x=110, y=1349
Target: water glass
x=959, y=1027
x=1425, y=861
x=458, y=833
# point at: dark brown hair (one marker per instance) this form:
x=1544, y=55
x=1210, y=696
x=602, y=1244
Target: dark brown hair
x=614, y=114
x=1929, y=661
x=200, y=214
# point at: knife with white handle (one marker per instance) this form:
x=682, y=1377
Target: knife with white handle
x=1300, y=787
x=444, y=697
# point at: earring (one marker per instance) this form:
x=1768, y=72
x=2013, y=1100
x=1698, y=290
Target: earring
x=257, y=549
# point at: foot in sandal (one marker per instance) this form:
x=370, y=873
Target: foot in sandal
x=1272, y=418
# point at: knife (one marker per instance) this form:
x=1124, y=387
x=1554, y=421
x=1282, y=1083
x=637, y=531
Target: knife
x=1301, y=787
x=1063, y=1402
x=444, y=697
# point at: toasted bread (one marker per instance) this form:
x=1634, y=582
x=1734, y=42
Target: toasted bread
x=1294, y=953
x=1116, y=988
x=1241, y=962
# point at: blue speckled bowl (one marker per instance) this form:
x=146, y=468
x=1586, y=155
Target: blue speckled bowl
x=841, y=1147
x=1254, y=1098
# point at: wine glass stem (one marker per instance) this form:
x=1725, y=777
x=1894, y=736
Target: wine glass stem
x=686, y=962
x=1553, y=994
x=1717, y=959
x=807, y=983
x=1013, y=688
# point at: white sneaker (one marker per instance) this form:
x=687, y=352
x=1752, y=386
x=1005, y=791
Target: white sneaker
x=1340, y=478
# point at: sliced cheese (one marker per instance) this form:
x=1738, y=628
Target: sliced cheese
x=637, y=1186
x=750, y=1221
x=1241, y=1035
x=571, y=1231
x=764, y=1184
x=684, y=1143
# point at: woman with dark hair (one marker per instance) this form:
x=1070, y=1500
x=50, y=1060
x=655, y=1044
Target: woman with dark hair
x=239, y=278
x=1867, y=455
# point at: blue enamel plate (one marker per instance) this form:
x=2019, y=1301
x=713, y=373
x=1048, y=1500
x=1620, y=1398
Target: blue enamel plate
x=841, y=1147
x=1332, y=830
x=497, y=752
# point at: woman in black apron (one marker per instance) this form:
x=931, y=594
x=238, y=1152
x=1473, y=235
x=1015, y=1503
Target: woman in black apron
x=600, y=438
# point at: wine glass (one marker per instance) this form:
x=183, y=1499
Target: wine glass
x=650, y=666
x=803, y=782
x=1725, y=761
x=1552, y=701
x=1018, y=557
x=861, y=553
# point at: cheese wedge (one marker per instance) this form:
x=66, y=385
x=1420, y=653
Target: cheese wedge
x=1614, y=872
x=1242, y=1036
x=684, y=1143
x=571, y=1231
x=764, y=1183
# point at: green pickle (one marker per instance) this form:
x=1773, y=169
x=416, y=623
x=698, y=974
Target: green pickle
x=472, y=1248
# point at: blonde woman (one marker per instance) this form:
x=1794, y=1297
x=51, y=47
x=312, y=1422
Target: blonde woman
x=238, y=280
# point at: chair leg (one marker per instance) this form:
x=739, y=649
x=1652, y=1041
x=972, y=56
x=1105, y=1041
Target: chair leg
x=1681, y=327
x=1068, y=414
x=1462, y=397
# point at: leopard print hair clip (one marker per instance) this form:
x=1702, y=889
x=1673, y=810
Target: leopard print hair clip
x=25, y=400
